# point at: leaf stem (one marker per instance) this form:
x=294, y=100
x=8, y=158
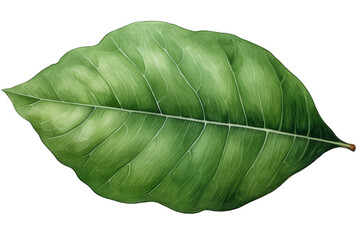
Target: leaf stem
x=351, y=147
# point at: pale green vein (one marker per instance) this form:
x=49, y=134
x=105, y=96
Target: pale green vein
x=254, y=162
x=177, y=163
x=105, y=140
x=341, y=144
x=182, y=75
x=217, y=168
x=102, y=75
x=154, y=137
x=143, y=75
x=76, y=127
x=237, y=86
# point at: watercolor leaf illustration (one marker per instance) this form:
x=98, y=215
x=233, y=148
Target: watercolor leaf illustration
x=192, y=120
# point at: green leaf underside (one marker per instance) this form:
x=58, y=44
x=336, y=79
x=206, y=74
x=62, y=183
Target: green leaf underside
x=192, y=120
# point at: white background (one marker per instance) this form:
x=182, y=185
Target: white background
x=318, y=41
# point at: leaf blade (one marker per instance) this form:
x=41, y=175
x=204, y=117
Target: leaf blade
x=164, y=114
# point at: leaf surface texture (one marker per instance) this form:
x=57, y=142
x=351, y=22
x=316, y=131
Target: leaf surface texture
x=192, y=120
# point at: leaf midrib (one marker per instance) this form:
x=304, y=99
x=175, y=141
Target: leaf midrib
x=341, y=144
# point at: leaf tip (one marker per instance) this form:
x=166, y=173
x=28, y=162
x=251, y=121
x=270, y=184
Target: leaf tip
x=6, y=90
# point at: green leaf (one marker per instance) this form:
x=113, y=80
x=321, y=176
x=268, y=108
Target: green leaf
x=192, y=120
